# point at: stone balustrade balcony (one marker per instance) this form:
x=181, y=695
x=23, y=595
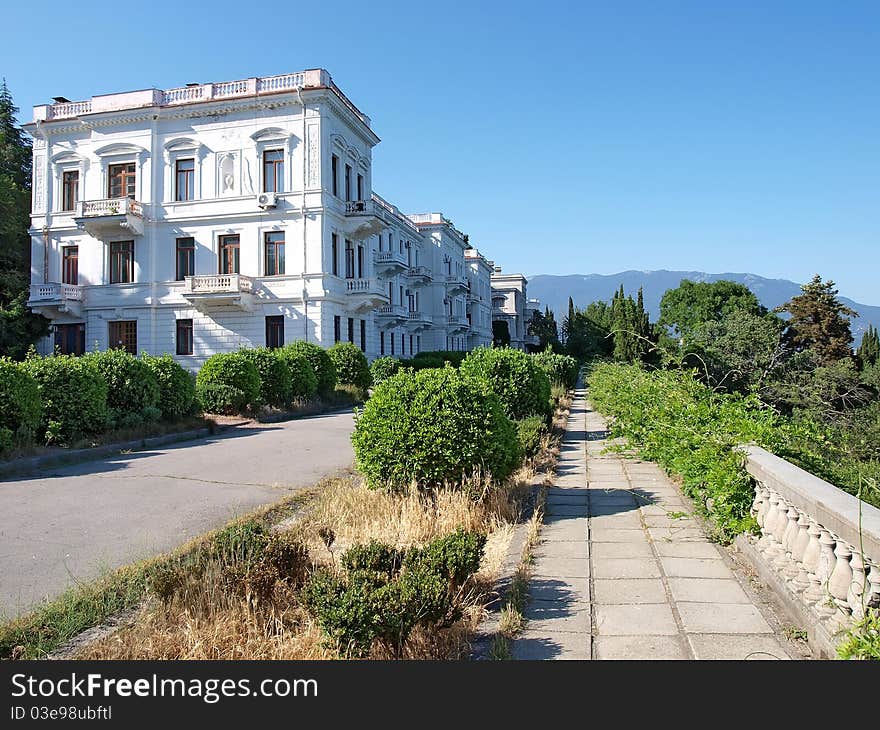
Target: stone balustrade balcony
x=108, y=217
x=366, y=293
x=819, y=546
x=54, y=300
x=418, y=276
x=212, y=290
x=456, y=284
x=390, y=263
x=391, y=315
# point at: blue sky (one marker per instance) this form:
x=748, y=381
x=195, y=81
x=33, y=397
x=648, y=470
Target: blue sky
x=563, y=137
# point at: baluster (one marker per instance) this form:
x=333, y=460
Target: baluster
x=798, y=550
x=780, y=526
x=841, y=576
x=759, y=505
x=813, y=593
x=857, y=586
x=874, y=582
x=790, y=567
x=826, y=566
x=769, y=519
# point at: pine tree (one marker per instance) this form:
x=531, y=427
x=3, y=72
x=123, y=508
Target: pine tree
x=819, y=322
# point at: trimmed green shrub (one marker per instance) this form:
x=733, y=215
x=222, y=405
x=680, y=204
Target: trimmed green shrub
x=220, y=398
x=276, y=383
x=325, y=372
x=433, y=427
x=131, y=385
x=373, y=556
x=522, y=386
x=454, y=556
x=423, y=363
x=561, y=369
x=20, y=406
x=303, y=381
x=350, y=364
x=453, y=357
x=177, y=387
x=530, y=433
x=383, y=368
x=237, y=373
x=74, y=396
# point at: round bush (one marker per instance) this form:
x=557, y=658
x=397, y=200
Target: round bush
x=523, y=387
x=237, y=373
x=320, y=361
x=20, y=407
x=351, y=365
x=74, y=396
x=383, y=368
x=561, y=369
x=177, y=387
x=131, y=385
x=303, y=381
x=276, y=384
x=220, y=398
x=433, y=427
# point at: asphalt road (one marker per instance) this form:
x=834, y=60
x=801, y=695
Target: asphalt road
x=70, y=524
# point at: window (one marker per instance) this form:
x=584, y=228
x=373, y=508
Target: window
x=69, y=189
x=274, y=260
x=363, y=335
x=121, y=181
x=381, y=343
x=334, y=174
x=392, y=343
x=360, y=188
x=229, y=254
x=124, y=334
x=351, y=329
x=121, y=262
x=334, y=254
x=403, y=344
x=186, y=170
x=70, y=339
x=348, y=182
x=186, y=259
x=275, y=331
x=411, y=345
x=349, y=259
x=360, y=261
x=337, y=328
x=70, y=265
x=184, y=337
x=273, y=171
x=380, y=241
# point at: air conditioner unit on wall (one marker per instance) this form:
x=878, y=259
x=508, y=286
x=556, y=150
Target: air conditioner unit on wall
x=266, y=200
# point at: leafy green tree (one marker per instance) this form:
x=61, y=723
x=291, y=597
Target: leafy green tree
x=694, y=303
x=588, y=331
x=544, y=327
x=869, y=350
x=819, y=322
x=19, y=327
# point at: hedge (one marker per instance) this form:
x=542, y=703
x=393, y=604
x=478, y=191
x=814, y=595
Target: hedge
x=132, y=388
x=177, y=387
x=522, y=386
x=433, y=427
x=74, y=397
x=320, y=361
x=350, y=364
x=20, y=406
x=276, y=382
x=228, y=383
x=561, y=369
x=383, y=368
x=303, y=381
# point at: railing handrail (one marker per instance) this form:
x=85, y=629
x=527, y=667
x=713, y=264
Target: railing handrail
x=382, y=256
x=111, y=206
x=56, y=290
x=209, y=283
x=844, y=514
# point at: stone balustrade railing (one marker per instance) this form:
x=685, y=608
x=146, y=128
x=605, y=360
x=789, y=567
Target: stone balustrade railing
x=218, y=284
x=110, y=206
x=822, y=542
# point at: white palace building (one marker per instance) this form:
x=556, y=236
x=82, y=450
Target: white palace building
x=201, y=219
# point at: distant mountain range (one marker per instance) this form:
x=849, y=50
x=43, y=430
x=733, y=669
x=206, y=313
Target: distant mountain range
x=554, y=291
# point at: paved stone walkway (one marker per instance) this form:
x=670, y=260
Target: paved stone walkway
x=622, y=571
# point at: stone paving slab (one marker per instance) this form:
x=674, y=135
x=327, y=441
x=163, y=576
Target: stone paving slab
x=624, y=571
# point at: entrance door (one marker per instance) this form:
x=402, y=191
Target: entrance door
x=70, y=339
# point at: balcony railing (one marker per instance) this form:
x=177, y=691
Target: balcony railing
x=362, y=286
x=359, y=207
x=111, y=206
x=53, y=292
x=419, y=272
x=219, y=284
x=392, y=311
x=391, y=257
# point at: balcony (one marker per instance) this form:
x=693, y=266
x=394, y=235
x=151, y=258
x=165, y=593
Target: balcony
x=457, y=323
x=363, y=219
x=391, y=315
x=418, y=321
x=102, y=219
x=365, y=294
x=390, y=263
x=219, y=290
x=419, y=276
x=56, y=300
x=456, y=284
